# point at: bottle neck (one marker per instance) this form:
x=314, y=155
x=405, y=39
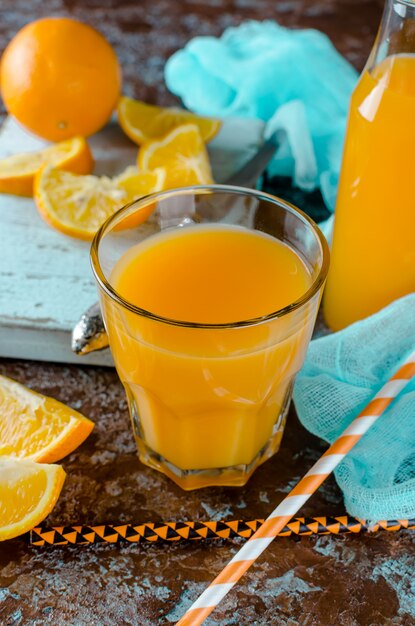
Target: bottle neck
x=396, y=33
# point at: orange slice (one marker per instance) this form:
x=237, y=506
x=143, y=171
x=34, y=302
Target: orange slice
x=143, y=122
x=128, y=181
x=36, y=427
x=28, y=493
x=182, y=153
x=17, y=172
x=78, y=205
x=138, y=183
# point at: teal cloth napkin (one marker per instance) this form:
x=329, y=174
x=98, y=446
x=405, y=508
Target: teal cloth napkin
x=294, y=80
x=342, y=373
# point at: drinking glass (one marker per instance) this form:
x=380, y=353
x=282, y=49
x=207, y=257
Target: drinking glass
x=208, y=402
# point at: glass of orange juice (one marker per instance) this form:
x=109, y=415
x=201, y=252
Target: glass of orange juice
x=209, y=297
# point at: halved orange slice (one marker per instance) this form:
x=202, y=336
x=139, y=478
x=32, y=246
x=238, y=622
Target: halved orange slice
x=143, y=122
x=182, y=153
x=78, y=205
x=36, y=427
x=28, y=493
x=17, y=172
x=138, y=183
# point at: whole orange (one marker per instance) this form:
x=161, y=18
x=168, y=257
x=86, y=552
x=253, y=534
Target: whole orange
x=60, y=78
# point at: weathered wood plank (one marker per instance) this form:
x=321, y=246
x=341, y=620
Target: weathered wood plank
x=45, y=277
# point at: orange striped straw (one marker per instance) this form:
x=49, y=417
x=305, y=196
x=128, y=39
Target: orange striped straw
x=298, y=496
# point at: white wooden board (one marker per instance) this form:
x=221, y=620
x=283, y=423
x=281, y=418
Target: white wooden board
x=45, y=278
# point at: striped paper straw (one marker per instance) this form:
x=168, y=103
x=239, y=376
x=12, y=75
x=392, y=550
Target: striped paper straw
x=298, y=496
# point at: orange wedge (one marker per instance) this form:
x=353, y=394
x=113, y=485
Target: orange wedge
x=128, y=181
x=78, y=205
x=36, y=427
x=143, y=122
x=182, y=153
x=28, y=493
x=17, y=172
x=138, y=183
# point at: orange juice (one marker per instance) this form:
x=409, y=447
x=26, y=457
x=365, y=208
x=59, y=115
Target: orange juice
x=373, y=255
x=211, y=275
x=204, y=397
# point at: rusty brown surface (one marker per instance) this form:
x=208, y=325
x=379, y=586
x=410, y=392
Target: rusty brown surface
x=363, y=580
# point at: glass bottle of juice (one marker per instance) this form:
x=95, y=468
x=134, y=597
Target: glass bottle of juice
x=373, y=255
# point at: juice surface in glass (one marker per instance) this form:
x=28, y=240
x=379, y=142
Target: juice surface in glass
x=205, y=398
x=373, y=253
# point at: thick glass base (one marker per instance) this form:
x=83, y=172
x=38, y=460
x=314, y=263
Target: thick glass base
x=235, y=476
x=188, y=479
